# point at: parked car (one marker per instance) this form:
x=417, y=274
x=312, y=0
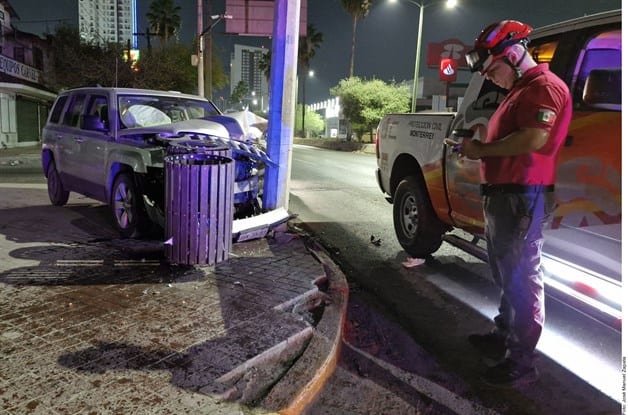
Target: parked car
x=109, y=144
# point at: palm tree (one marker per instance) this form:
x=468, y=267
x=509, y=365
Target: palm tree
x=164, y=19
x=307, y=49
x=358, y=9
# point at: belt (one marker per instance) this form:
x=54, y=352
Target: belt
x=492, y=189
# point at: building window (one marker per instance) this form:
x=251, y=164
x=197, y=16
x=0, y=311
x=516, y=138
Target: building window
x=38, y=58
x=18, y=53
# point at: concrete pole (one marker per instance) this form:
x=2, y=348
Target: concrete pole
x=199, y=33
x=282, y=103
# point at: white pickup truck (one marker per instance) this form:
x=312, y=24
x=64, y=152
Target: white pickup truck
x=433, y=191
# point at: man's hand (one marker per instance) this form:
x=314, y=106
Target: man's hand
x=471, y=149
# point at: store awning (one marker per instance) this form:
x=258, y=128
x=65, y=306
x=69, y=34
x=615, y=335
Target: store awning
x=28, y=91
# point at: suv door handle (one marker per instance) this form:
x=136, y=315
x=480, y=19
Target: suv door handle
x=78, y=139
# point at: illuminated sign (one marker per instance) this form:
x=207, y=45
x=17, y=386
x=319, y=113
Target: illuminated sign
x=447, y=49
x=448, y=70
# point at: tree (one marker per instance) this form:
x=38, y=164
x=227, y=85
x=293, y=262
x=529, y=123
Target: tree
x=240, y=91
x=78, y=63
x=167, y=69
x=358, y=9
x=364, y=103
x=219, y=78
x=307, y=49
x=314, y=122
x=164, y=19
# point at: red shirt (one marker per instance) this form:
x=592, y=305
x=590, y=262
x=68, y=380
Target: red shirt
x=540, y=99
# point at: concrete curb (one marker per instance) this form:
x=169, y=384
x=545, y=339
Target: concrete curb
x=296, y=390
x=339, y=145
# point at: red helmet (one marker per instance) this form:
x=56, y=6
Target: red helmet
x=494, y=40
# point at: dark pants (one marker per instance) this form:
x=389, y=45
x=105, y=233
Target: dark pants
x=514, y=223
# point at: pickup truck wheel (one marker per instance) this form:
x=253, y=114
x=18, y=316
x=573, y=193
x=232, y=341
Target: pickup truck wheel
x=418, y=230
x=57, y=194
x=126, y=206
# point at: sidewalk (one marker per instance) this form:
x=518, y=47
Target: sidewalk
x=90, y=323
x=20, y=156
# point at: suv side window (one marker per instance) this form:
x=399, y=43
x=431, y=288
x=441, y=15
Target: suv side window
x=55, y=115
x=73, y=114
x=97, y=105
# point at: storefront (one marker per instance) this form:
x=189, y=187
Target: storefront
x=23, y=105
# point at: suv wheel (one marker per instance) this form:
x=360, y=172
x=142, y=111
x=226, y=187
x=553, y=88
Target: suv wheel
x=418, y=230
x=57, y=194
x=126, y=206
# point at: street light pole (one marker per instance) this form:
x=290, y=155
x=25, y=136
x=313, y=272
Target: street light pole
x=201, y=76
x=419, y=38
x=310, y=73
x=417, y=59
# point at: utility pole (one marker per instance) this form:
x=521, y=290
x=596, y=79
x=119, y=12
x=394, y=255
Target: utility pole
x=148, y=35
x=200, y=63
x=282, y=103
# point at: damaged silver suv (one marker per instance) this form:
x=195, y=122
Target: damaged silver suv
x=109, y=144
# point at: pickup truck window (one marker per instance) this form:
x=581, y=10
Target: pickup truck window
x=544, y=52
x=602, y=52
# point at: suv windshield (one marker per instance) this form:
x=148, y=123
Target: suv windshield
x=150, y=110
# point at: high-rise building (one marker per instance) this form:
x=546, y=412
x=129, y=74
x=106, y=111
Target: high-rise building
x=104, y=21
x=245, y=67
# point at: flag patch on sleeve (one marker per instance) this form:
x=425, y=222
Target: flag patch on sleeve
x=546, y=116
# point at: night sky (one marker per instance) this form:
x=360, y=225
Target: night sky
x=386, y=38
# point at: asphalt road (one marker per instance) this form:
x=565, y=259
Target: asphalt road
x=438, y=304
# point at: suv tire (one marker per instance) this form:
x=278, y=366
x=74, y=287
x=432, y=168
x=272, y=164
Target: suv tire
x=126, y=206
x=57, y=194
x=418, y=229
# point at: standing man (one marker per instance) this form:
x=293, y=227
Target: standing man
x=518, y=171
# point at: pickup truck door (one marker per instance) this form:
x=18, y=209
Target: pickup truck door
x=462, y=175
x=586, y=227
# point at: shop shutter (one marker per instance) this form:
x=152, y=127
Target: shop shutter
x=28, y=123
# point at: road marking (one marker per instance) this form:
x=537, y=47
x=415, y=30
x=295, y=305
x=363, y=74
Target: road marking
x=101, y=262
x=24, y=185
x=135, y=263
x=434, y=391
x=79, y=262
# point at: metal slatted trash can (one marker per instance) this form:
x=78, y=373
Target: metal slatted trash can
x=199, y=206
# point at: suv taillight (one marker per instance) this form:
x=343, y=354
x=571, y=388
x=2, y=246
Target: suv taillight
x=377, y=143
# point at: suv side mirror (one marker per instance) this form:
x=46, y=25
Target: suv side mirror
x=92, y=123
x=602, y=89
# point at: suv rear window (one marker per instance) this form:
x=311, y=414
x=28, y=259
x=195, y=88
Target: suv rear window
x=73, y=114
x=56, y=111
